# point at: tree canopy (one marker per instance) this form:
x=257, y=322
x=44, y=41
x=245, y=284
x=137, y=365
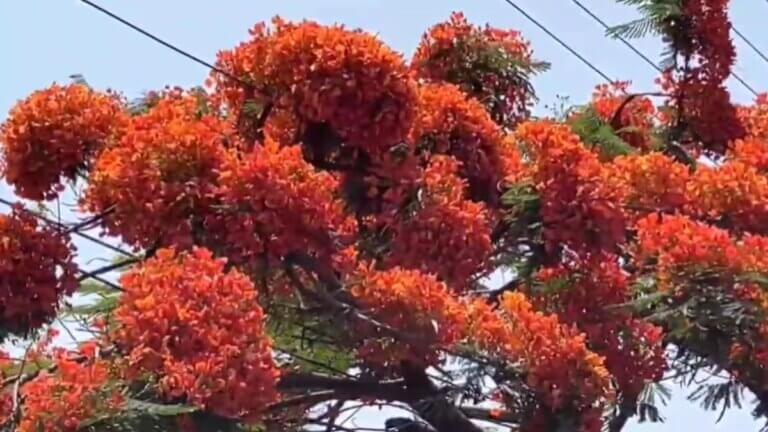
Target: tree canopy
x=319, y=225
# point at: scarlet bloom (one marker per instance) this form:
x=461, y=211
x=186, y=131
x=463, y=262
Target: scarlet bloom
x=699, y=93
x=754, y=117
x=346, y=79
x=448, y=122
x=581, y=292
x=489, y=64
x=161, y=175
x=559, y=366
x=446, y=235
x=752, y=152
x=414, y=303
x=76, y=392
x=275, y=202
x=634, y=123
x=53, y=134
x=734, y=194
x=650, y=182
x=36, y=271
x=200, y=330
x=578, y=206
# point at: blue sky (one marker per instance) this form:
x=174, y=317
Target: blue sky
x=46, y=41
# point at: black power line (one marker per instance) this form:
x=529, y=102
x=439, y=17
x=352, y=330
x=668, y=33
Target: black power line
x=649, y=61
x=162, y=42
x=61, y=226
x=751, y=45
x=560, y=41
x=623, y=40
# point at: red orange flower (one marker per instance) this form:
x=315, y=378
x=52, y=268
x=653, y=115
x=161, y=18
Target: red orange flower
x=558, y=365
x=488, y=63
x=414, y=303
x=447, y=122
x=752, y=152
x=36, y=271
x=62, y=401
x=578, y=207
x=275, y=202
x=161, y=174
x=200, y=330
x=53, y=134
x=346, y=79
x=581, y=292
x=754, y=117
x=651, y=182
x=735, y=194
x=447, y=235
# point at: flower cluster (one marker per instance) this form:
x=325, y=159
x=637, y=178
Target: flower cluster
x=200, y=330
x=36, y=271
x=681, y=248
x=447, y=235
x=413, y=303
x=578, y=207
x=752, y=152
x=559, y=367
x=54, y=133
x=448, y=122
x=77, y=392
x=632, y=348
x=275, y=202
x=650, y=182
x=346, y=79
x=490, y=64
x=159, y=178
x=754, y=117
x=734, y=194
x=679, y=243
x=699, y=91
x=634, y=123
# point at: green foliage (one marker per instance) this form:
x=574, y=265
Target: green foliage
x=656, y=15
x=598, y=134
x=720, y=396
x=305, y=340
x=521, y=202
x=648, y=404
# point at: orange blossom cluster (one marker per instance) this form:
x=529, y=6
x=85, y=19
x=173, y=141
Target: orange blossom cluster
x=54, y=133
x=448, y=122
x=705, y=102
x=36, y=271
x=62, y=401
x=751, y=151
x=415, y=303
x=160, y=176
x=651, y=182
x=488, y=63
x=346, y=79
x=754, y=117
x=734, y=194
x=558, y=365
x=680, y=246
x=200, y=330
x=632, y=348
x=275, y=202
x=447, y=235
x=578, y=207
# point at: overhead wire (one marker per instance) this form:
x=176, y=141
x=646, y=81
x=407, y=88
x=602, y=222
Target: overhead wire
x=643, y=56
x=560, y=41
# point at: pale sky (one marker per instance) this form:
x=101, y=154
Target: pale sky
x=42, y=41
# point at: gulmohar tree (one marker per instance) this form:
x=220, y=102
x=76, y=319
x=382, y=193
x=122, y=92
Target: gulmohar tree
x=318, y=226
